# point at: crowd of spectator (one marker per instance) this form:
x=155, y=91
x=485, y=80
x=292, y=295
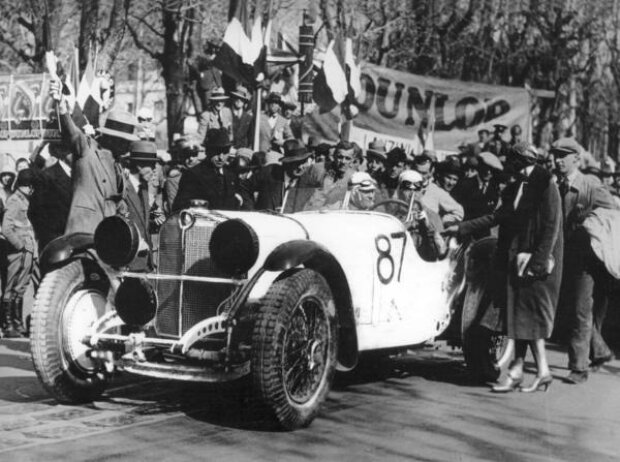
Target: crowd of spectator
x=537, y=204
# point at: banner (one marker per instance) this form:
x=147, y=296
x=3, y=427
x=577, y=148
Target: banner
x=26, y=110
x=394, y=103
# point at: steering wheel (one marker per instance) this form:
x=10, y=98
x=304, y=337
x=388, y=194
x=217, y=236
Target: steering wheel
x=400, y=204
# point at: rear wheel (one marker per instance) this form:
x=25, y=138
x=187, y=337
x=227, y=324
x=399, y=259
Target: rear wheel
x=294, y=347
x=65, y=308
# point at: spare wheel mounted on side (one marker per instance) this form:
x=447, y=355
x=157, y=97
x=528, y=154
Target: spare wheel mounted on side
x=294, y=347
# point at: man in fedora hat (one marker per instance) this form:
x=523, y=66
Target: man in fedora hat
x=97, y=178
x=274, y=128
x=211, y=180
x=242, y=118
x=217, y=116
x=282, y=187
x=140, y=165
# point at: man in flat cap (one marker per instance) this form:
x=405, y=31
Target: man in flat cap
x=585, y=279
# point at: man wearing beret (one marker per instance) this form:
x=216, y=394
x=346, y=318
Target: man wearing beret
x=585, y=277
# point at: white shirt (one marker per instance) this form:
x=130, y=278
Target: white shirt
x=527, y=171
x=135, y=182
x=66, y=167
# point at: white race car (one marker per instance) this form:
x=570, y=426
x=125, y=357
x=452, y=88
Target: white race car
x=286, y=299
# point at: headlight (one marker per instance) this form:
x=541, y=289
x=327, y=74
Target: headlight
x=186, y=219
x=117, y=240
x=135, y=302
x=234, y=246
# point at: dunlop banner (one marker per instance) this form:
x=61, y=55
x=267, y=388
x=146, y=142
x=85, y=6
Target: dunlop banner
x=26, y=109
x=393, y=104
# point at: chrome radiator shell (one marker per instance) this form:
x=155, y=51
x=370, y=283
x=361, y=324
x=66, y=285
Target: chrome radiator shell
x=186, y=252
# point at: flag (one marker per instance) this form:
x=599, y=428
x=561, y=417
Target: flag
x=89, y=95
x=338, y=80
x=243, y=52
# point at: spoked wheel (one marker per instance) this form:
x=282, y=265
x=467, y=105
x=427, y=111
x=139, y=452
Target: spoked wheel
x=65, y=308
x=294, y=347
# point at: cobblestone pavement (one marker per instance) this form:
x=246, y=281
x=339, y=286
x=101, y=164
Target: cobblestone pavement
x=417, y=407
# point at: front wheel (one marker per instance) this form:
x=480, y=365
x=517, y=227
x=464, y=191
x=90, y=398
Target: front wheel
x=66, y=306
x=294, y=347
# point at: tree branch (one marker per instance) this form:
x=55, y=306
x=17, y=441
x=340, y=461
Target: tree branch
x=142, y=20
x=140, y=44
x=26, y=24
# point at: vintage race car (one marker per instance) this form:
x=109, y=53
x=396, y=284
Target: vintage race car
x=285, y=299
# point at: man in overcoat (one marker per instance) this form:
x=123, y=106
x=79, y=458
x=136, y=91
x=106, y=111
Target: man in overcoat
x=97, y=177
x=585, y=280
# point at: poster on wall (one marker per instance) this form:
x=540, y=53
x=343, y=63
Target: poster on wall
x=26, y=110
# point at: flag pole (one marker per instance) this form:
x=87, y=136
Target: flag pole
x=257, y=115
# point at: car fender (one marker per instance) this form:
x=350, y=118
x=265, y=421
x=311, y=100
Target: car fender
x=64, y=249
x=314, y=256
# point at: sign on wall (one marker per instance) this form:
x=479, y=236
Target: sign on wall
x=26, y=110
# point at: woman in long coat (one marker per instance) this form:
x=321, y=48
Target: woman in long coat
x=528, y=262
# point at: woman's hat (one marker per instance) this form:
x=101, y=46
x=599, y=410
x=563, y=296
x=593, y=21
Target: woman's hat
x=294, y=151
x=218, y=94
x=120, y=124
x=25, y=177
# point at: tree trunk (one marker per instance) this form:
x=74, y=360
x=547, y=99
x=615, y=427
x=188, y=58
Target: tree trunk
x=112, y=38
x=89, y=22
x=46, y=20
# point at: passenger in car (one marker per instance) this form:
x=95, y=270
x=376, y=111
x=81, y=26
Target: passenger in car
x=361, y=195
x=423, y=224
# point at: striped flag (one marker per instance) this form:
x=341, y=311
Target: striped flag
x=242, y=55
x=89, y=95
x=338, y=80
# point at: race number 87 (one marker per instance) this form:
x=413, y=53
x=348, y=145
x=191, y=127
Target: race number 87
x=386, y=267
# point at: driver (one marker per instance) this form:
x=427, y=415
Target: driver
x=423, y=224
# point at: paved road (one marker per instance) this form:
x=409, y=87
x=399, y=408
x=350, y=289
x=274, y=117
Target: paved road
x=419, y=407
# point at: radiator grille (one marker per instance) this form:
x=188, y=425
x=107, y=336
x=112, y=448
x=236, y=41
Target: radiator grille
x=196, y=300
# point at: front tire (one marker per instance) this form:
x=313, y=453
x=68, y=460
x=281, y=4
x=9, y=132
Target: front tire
x=294, y=343
x=65, y=307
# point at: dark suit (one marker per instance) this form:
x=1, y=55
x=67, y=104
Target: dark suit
x=50, y=204
x=138, y=212
x=268, y=183
x=98, y=182
x=204, y=182
x=242, y=130
x=585, y=280
x=476, y=200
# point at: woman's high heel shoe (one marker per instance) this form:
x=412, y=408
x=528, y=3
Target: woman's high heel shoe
x=510, y=384
x=540, y=384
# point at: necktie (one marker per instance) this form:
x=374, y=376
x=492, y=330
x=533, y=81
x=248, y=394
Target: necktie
x=563, y=187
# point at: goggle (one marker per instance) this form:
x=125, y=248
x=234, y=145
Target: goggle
x=365, y=186
x=417, y=186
